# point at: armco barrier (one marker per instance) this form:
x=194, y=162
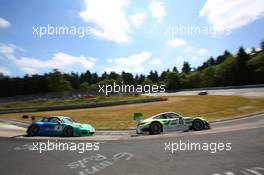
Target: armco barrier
x=218, y=88
x=79, y=106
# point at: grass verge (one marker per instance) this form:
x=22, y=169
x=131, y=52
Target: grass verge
x=55, y=102
x=121, y=117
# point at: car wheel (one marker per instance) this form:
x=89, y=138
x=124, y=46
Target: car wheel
x=197, y=125
x=68, y=131
x=155, y=128
x=33, y=130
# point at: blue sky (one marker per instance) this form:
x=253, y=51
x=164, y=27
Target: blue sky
x=124, y=35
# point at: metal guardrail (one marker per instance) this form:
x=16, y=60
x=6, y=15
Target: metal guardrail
x=219, y=87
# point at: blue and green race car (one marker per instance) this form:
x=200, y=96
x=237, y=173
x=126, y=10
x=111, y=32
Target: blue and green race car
x=59, y=126
x=169, y=121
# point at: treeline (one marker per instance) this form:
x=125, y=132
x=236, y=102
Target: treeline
x=225, y=70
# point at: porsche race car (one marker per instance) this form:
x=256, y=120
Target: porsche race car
x=59, y=126
x=169, y=121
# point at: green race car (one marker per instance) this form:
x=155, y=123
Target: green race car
x=169, y=121
x=59, y=126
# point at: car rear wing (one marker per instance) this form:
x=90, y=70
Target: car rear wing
x=33, y=118
x=138, y=116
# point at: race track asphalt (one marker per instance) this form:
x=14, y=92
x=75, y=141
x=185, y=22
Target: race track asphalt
x=146, y=155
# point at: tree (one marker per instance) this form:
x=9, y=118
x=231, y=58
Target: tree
x=174, y=69
x=74, y=79
x=193, y=80
x=84, y=86
x=208, y=77
x=211, y=61
x=127, y=78
x=186, y=68
x=147, y=82
x=172, y=80
x=141, y=79
x=226, y=73
x=113, y=75
x=57, y=83
x=163, y=75
x=104, y=76
x=223, y=57
x=262, y=45
x=242, y=59
x=95, y=78
x=153, y=76
x=86, y=77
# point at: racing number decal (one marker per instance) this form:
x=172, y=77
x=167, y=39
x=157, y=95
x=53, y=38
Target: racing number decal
x=171, y=122
x=57, y=127
x=175, y=121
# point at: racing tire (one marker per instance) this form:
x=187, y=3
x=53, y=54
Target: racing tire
x=155, y=128
x=68, y=131
x=33, y=130
x=197, y=125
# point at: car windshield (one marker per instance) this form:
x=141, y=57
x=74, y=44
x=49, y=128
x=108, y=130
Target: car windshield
x=162, y=116
x=53, y=120
x=68, y=120
x=45, y=119
x=172, y=115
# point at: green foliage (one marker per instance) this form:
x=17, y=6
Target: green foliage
x=147, y=82
x=256, y=67
x=127, y=78
x=262, y=45
x=153, y=76
x=172, y=80
x=57, y=83
x=84, y=86
x=186, y=68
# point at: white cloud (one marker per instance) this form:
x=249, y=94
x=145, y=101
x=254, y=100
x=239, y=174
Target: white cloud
x=59, y=60
x=194, y=58
x=109, y=18
x=202, y=51
x=258, y=49
x=232, y=14
x=118, y=69
x=176, y=42
x=138, y=18
x=133, y=60
x=29, y=70
x=5, y=71
x=7, y=51
x=157, y=10
x=248, y=50
x=132, y=63
x=4, y=23
x=156, y=61
x=109, y=60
